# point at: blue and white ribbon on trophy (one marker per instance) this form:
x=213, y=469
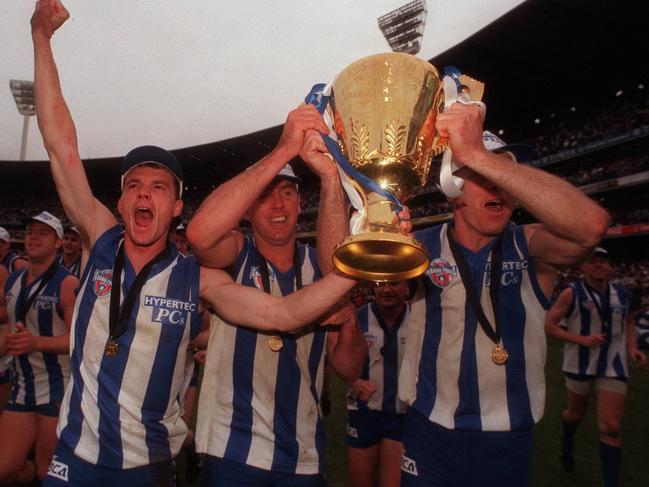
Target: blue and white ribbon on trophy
x=320, y=97
x=450, y=184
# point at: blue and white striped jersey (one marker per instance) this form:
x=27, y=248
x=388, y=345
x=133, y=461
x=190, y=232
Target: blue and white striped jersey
x=642, y=329
x=75, y=268
x=125, y=411
x=609, y=359
x=383, y=361
x=259, y=407
x=9, y=261
x=40, y=377
x=447, y=373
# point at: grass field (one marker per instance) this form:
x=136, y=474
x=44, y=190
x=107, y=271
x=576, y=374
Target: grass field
x=546, y=470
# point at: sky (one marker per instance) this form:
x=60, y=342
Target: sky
x=180, y=73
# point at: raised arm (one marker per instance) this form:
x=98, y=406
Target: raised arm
x=571, y=224
x=250, y=307
x=57, y=128
x=211, y=233
x=333, y=220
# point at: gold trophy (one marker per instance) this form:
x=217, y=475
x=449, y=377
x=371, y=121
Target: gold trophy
x=384, y=108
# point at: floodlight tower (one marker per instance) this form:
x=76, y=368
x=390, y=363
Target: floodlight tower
x=403, y=28
x=23, y=92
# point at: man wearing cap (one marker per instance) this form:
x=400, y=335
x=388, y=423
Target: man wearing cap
x=9, y=259
x=259, y=418
x=39, y=302
x=592, y=316
x=70, y=257
x=137, y=307
x=473, y=367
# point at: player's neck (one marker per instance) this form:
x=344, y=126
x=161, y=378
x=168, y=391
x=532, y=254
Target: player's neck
x=469, y=238
x=599, y=285
x=281, y=256
x=140, y=255
x=38, y=266
x=69, y=259
x=391, y=314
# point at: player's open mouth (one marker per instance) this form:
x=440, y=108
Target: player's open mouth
x=495, y=206
x=278, y=219
x=143, y=217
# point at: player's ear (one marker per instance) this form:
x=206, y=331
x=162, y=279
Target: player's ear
x=178, y=208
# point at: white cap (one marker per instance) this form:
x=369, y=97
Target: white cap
x=72, y=229
x=288, y=173
x=49, y=220
x=4, y=234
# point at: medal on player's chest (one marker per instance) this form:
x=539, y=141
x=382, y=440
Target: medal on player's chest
x=275, y=343
x=499, y=355
x=111, y=349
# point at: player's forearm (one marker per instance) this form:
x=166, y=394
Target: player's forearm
x=563, y=209
x=52, y=113
x=59, y=344
x=333, y=223
x=555, y=331
x=630, y=335
x=59, y=133
x=310, y=303
x=349, y=353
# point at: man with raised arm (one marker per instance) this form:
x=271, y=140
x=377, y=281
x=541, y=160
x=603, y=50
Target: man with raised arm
x=473, y=367
x=137, y=307
x=259, y=419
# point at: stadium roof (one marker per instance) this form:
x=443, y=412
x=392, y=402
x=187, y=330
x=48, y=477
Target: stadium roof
x=184, y=73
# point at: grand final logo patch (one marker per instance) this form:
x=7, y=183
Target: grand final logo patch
x=441, y=272
x=255, y=277
x=102, y=282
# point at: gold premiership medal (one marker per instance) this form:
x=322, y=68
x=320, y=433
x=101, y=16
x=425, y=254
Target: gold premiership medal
x=275, y=343
x=111, y=349
x=499, y=355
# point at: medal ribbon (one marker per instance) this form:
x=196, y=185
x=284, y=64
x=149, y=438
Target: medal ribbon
x=47, y=275
x=118, y=320
x=317, y=98
x=265, y=277
x=389, y=333
x=263, y=270
x=606, y=300
x=493, y=332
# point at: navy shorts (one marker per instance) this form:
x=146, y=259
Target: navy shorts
x=49, y=409
x=366, y=428
x=66, y=469
x=218, y=472
x=438, y=457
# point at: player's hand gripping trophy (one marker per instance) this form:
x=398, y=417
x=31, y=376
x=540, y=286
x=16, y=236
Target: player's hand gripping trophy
x=383, y=110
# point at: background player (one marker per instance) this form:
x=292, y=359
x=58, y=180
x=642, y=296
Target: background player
x=39, y=301
x=592, y=317
x=375, y=413
x=9, y=259
x=71, y=250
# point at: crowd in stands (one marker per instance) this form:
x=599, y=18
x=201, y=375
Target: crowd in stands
x=576, y=127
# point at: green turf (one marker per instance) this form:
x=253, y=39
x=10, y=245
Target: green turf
x=546, y=470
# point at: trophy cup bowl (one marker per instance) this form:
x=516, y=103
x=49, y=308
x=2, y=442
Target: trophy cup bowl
x=384, y=108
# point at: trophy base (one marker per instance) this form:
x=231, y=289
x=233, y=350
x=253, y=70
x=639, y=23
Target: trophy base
x=381, y=257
